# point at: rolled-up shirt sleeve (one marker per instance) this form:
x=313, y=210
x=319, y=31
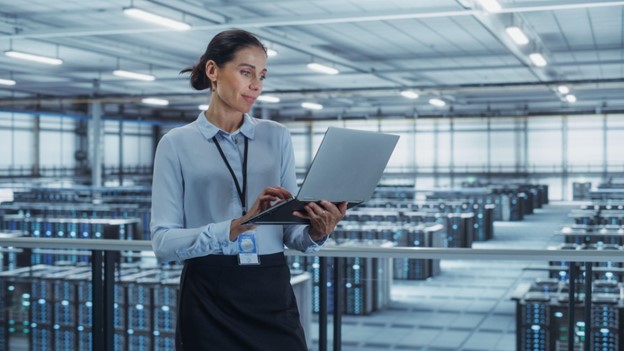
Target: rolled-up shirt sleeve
x=171, y=241
x=296, y=237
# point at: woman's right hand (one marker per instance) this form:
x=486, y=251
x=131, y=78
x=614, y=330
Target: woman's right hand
x=264, y=201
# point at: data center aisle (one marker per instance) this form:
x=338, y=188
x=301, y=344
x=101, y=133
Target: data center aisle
x=468, y=307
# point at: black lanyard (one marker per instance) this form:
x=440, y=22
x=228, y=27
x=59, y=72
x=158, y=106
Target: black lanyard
x=241, y=193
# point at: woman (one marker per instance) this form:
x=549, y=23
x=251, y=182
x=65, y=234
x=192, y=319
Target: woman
x=235, y=291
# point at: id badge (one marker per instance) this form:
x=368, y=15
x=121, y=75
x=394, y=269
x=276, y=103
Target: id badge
x=247, y=249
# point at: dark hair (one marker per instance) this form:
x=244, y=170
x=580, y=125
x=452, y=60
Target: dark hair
x=221, y=50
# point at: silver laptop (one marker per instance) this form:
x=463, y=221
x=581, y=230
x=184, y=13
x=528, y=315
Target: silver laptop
x=347, y=167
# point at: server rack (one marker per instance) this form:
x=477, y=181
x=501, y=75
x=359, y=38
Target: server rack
x=431, y=235
x=4, y=325
x=8, y=256
x=601, y=271
x=51, y=306
x=593, y=234
x=412, y=231
x=74, y=228
x=581, y=190
x=166, y=296
x=542, y=317
x=367, y=280
x=16, y=297
x=139, y=308
x=83, y=202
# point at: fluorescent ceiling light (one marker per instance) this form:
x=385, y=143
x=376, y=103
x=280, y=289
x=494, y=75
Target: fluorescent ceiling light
x=271, y=53
x=437, y=102
x=311, y=106
x=517, y=35
x=409, y=94
x=7, y=82
x=570, y=98
x=154, y=18
x=538, y=59
x=134, y=75
x=322, y=68
x=203, y=107
x=155, y=101
x=563, y=89
x=268, y=98
x=35, y=58
x=490, y=5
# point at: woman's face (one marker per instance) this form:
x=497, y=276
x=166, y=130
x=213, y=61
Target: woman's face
x=239, y=82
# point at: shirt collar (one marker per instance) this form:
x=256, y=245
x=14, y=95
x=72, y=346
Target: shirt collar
x=209, y=130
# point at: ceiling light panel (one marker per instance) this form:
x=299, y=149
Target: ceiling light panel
x=268, y=98
x=155, y=101
x=7, y=82
x=151, y=17
x=410, y=94
x=34, y=58
x=538, y=60
x=322, y=68
x=311, y=106
x=517, y=35
x=437, y=102
x=134, y=75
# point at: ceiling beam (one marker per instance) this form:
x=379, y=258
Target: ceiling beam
x=614, y=83
x=496, y=25
x=309, y=20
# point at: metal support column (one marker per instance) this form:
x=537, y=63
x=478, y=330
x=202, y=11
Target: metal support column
x=605, y=149
x=121, y=147
x=588, y=306
x=338, y=301
x=564, y=159
x=37, y=146
x=96, y=147
x=109, y=299
x=436, y=153
x=525, y=125
x=452, y=162
x=489, y=146
x=103, y=299
x=97, y=309
x=571, y=303
x=323, y=304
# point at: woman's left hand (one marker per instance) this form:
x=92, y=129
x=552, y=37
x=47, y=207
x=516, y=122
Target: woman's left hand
x=323, y=216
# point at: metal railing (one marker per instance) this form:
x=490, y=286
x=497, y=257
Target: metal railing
x=104, y=252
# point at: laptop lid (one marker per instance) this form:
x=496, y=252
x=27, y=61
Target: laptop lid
x=347, y=167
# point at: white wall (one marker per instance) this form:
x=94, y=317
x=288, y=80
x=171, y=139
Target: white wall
x=553, y=144
x=58, y=141
x=16, y=140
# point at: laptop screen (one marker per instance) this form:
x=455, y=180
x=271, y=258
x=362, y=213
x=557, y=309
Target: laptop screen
x=347, y=166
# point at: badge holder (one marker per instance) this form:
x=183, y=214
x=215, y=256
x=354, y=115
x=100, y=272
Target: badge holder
x=247, y=249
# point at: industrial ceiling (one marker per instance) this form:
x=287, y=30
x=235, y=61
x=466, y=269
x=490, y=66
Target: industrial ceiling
x=460, y=52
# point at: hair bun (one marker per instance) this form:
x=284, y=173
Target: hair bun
x=199, y=80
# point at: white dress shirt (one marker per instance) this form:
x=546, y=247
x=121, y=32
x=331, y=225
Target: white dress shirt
x=194, y=198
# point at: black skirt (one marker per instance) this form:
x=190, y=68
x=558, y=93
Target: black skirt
x=228, y=307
